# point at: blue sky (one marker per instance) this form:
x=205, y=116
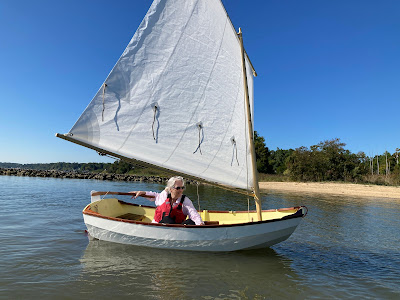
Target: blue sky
x=326, y=69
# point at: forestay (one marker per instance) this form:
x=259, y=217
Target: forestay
x=175, y=98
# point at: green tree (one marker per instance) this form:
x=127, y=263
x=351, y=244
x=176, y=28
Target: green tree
x=278, y=160
x=262, y=153
x=120, y=167
x=326, y=161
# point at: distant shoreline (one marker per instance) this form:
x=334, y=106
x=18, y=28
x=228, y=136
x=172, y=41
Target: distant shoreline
x=324, y=188
x=80, y=175
x=333, y=188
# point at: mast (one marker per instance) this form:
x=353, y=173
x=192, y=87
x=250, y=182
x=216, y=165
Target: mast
x=250, y=132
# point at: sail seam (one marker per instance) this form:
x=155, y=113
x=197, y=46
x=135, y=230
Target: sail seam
x=159, y=77
x=230, y=121
x=202, y=96
x=236, y=102
x=198, y=104
x=104, y=105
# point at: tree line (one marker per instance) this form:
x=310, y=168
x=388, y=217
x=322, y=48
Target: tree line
x=327, y=161
x=117, y=167
x=59, y=166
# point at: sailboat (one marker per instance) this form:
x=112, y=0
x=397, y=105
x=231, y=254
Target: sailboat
x=180, y=98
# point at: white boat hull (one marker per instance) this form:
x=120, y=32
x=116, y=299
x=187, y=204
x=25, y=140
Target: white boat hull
x=252, y=235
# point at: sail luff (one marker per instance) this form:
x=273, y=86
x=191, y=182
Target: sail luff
x=250, y=133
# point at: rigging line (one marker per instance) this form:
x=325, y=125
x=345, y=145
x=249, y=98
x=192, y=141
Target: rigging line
x=248, y=208
x=236, y=154
x=200, y=140
x=105, y=195
x=235, y=150
x=104, y=106
x=105, y=154
x=154, y=120
x=198, y=195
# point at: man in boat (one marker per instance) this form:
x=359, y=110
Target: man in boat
x=172, y=206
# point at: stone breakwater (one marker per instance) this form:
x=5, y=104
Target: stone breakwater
x=79, y=175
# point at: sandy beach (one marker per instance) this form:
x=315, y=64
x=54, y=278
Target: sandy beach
x=329, y=188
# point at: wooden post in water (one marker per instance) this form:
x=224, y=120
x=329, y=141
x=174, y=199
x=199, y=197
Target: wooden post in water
x=251, y=133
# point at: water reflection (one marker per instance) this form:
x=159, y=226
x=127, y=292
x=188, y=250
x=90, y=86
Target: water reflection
x=165, y=274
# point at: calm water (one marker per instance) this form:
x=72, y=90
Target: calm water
x=344, y=248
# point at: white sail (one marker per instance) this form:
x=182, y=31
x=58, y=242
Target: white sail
x=185, y=60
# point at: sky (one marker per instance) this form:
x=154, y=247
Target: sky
x=326, y=69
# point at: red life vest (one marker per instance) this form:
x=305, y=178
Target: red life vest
x=166, y=209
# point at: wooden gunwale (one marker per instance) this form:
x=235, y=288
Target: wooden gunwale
x=221, y=211
x=89, y=212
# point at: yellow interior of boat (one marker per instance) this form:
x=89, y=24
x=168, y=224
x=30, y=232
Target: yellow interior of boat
x=111, y=207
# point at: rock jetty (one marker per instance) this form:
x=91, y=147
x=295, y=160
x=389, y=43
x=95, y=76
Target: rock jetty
x=80, y=175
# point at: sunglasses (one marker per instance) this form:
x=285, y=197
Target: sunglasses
x=179, y=188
